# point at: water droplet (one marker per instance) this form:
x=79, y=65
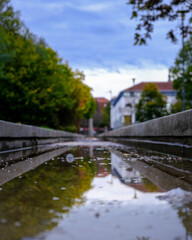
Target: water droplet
x=3, y=220
x=17, y=224
x=55, y=198
x=63, y=188
x=69, y=158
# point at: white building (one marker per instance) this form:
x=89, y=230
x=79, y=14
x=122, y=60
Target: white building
x=123, y=108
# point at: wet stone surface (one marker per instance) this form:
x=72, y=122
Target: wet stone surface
x=94, y=190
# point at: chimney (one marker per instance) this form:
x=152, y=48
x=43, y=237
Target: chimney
x=169, y=77
x=133, y=81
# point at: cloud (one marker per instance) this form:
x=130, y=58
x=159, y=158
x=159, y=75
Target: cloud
x=97, y=7
x=102, y=81
x=98, y=38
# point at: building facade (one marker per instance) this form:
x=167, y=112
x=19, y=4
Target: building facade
x=98, y=118
x=123, y=108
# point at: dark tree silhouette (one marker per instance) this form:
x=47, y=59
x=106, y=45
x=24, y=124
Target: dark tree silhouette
x=150, y=11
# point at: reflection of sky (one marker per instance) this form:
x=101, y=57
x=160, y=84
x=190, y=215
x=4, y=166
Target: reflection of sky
x=112, y=212
x=111, y=209
x=111, y=189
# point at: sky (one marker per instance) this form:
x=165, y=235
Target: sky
x=97, y=38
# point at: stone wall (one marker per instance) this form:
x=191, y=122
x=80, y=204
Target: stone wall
x=175, y=125
x=170, y=134
x=13, y=135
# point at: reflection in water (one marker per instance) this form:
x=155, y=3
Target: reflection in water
x=131, y=176
x=134, y=172
x=35, y=201
x=185, y=214
x=12, y=166
x=76, y=194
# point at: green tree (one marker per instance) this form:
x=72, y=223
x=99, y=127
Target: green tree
x=147, y=12
x=151, y=105
x=36, y=86
x=106, y=115
x=176, y=74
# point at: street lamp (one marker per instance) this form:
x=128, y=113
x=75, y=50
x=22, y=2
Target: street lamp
x=110, y=113
x=183, y=12
x=133, y=103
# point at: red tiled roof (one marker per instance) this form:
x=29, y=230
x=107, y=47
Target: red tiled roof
x=161, y=86
x=101, y=100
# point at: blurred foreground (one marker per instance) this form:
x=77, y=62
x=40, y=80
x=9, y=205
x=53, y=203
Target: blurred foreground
x=94, y=190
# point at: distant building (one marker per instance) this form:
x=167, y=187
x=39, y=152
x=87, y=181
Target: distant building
x=98, y=117
x=123, y=108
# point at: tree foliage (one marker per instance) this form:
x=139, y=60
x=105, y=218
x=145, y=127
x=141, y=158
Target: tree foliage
x=106, y=118
x=176, y=74
x=147, y=12
x=151, y=105
x=36, y=86
x=29, y=199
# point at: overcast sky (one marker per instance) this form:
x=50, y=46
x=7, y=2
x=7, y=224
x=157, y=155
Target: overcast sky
x=96, y=37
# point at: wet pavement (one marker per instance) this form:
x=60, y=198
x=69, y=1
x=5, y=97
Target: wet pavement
x=94, y=190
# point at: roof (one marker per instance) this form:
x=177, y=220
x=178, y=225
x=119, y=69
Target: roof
x=162, y=86
x=101, y=100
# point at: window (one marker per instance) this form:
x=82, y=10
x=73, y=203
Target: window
x=168, y=93
x=126, y=94
x=137, y=94
x=128, y=105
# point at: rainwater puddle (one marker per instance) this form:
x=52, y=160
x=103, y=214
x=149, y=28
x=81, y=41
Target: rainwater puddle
x=94, y=190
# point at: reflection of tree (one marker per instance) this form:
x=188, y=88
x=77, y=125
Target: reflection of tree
x=35, y=202
x=185, y=214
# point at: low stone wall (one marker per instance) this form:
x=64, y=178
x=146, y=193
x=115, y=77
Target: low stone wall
x=172, y=134
x=14, y=135
x=175, y=125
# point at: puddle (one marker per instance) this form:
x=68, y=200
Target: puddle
x=95, y=190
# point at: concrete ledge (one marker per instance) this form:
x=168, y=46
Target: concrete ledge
x=14, y=130
x=13, y=135
x=175, y=125
x=171, y=134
